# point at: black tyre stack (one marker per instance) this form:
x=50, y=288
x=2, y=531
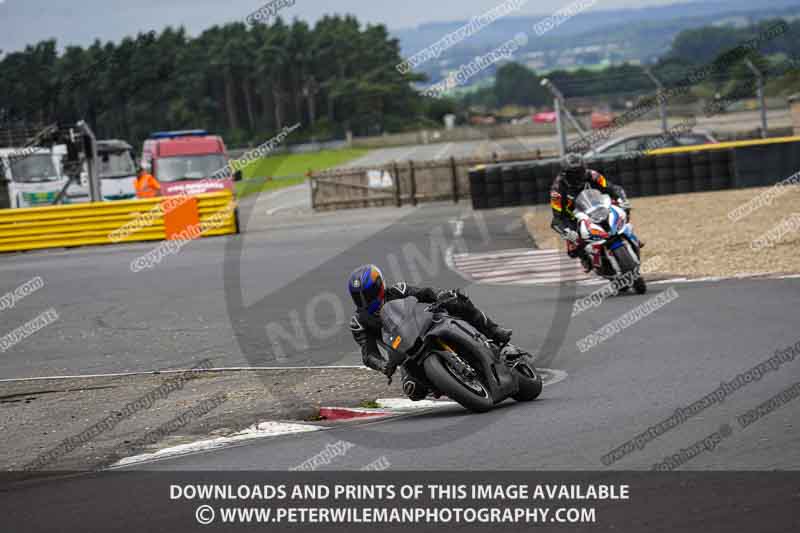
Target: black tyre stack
x=627, y=176
x=683, y=173
x=701, y=170
x=477, y=187
x=527, y=184
x=544, y=179
x=510, y=182
x=494, y=187
x=720, y=169
x=646, y=175
x=665, y=174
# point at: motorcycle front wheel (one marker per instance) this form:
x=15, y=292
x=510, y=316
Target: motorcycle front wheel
x=628, y=263
x=472, y=394
x=530, y=382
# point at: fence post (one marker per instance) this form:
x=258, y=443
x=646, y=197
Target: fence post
x=397, y=200
x=455, y=178
x=413, y=177
x=365, y=192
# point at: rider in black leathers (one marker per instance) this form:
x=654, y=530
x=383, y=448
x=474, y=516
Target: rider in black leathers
x=369, y=293
x=574, y=178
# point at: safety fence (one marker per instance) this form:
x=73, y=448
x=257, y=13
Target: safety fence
x=400, y=183
x=60, y=226
x=667, y=171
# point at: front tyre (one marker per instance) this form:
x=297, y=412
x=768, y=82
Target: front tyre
x=640, y=286
x=628, y=263
x=530, y=382
x=472, y=394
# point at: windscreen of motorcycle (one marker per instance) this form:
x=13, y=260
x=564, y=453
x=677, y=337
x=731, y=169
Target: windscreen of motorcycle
x=593, y=203
x=403, y=322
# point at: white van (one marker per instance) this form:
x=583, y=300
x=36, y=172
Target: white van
x=36, y=178
x=116, y=169
x=33, y=176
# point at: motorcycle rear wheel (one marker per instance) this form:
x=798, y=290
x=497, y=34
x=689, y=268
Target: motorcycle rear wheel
x=452, y=385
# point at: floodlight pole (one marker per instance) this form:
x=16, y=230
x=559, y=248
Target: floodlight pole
x=560, y=107
x=662, y=105
x=761, y=99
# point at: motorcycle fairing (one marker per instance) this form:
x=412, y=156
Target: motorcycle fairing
x=500, y=380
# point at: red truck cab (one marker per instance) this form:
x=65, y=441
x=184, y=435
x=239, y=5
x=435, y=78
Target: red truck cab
x=187, y=162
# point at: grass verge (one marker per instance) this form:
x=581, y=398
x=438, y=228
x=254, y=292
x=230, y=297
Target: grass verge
x=290, y=169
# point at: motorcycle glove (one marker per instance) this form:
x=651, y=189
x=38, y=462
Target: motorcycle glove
x=570, y=235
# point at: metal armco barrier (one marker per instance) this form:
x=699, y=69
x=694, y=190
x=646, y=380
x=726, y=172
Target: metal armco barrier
x=667, y=171
x=95, y=223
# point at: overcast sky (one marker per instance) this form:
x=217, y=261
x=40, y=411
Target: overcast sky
x=80, y=22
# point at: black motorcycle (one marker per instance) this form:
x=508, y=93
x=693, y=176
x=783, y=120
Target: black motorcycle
x=454, y=359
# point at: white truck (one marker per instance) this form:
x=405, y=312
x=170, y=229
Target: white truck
x=33, y=177
x=116, y=169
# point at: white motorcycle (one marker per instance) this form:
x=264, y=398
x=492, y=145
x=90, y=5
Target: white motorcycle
x=609, y=240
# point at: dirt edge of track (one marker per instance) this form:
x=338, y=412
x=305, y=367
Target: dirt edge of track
x=47, y=413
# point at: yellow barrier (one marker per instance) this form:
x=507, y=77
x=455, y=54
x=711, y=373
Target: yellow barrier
x=95, y=223
x=722, y=146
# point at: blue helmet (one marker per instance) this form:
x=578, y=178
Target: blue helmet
x=367, y=288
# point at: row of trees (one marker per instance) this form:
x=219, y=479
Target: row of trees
x=246, y=82
x=516, y=84
x=243, y=81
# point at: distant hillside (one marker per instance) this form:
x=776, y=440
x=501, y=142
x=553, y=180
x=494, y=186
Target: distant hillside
x=594, y=40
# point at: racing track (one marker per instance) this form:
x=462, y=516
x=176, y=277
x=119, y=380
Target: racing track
x=178, y=313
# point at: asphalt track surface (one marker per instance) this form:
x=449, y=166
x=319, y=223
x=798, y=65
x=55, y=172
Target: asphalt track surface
x=216, y=297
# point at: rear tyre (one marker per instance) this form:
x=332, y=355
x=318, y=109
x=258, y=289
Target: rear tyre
x=449, y=383
x=530, y=382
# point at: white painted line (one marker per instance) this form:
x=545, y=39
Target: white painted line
x=517, y=264
x=498, y=149
x=404, y=155
x=552, y=376
x=405, y=404
x=543, y=281
x=498, y=254
x=443, y=152
x=515, y=257
x=530, y=277
x=528, y=257
x=258, y=431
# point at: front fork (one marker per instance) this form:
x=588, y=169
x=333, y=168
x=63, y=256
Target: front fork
x=633, y=244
